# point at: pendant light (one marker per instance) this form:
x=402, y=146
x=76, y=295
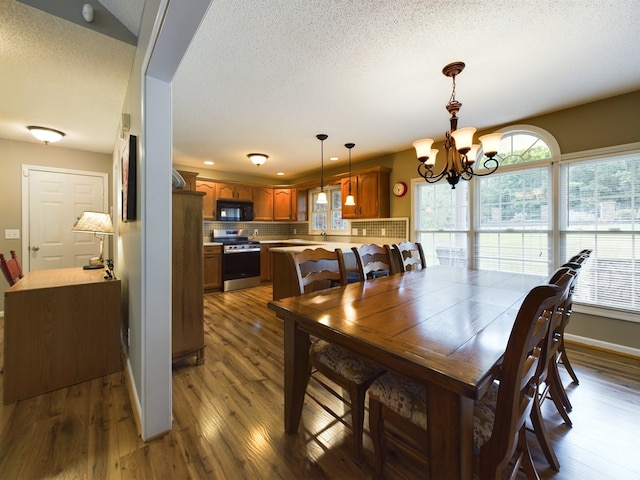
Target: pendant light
x=350, y=201
x=322, y=197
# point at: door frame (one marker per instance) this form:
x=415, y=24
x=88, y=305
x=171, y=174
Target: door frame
x=26, y=212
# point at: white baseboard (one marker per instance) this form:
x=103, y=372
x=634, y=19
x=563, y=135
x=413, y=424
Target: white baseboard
x=613, y=347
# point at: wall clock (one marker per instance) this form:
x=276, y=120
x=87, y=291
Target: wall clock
x=399, y=189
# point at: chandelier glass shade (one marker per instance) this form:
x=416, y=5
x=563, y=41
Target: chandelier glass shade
x=350, y=201
x=460, y=151
x=322, y=196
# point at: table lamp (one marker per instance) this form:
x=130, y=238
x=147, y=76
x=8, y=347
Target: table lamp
x=96, y=223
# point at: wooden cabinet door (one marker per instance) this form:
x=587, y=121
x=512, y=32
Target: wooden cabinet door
x=367, y=199
x=244, y=193
x=262, y=203
x=209, y=199
x=284, y=204
x=225, y=191
x=212, y=268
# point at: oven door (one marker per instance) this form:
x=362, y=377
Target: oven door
x=240, y=269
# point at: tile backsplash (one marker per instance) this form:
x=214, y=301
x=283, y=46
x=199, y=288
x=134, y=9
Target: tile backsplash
x=384, y=230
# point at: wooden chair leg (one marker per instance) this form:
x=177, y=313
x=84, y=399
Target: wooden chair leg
x=357, y=395
x=376, y=428
x=565, y=361
x=526, y=460
x=557, y=388
x=542, y=435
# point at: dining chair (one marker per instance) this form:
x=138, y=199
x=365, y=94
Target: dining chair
x=576, y=262
x=549, y=382
x=373, y=261
x=499, y=416
x=411, y=256
x=316, y=269
x=11, y=268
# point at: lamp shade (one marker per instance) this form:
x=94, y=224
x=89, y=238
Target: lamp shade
x=322, y=198
x=423, y=148
x=44, y=134
x=94, y=222
x=463, y=138
x=491, y=143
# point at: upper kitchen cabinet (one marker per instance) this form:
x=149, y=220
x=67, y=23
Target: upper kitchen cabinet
x=234, y=191
x=263, y=203
x=209, y=200
x=189, y=179
x=285, y=204
x=370, y=189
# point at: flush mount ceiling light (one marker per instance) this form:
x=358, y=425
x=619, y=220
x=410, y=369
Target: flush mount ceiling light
x=257, y=158
x=350, y=201
x=322, y=197
x=459, y=148
x=46, y=135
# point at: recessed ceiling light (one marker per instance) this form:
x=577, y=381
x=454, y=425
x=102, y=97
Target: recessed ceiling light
x=280, y=173
x=208, y=162
x=333, y=159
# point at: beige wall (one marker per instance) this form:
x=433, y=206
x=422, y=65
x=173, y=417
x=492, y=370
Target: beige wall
x=13, y=156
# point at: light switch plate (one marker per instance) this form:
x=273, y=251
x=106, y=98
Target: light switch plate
x=11, y=234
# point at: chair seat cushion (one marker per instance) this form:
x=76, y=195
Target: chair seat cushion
x=405, y=398
x=342, y=362
x=484, y=416
x=410, y=402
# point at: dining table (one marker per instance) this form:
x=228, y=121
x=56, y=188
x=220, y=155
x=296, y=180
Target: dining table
x=442, y=327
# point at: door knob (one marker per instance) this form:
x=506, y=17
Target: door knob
x=35, y=248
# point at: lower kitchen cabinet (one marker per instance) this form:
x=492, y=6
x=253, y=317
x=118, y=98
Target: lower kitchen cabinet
x=212, y=268
x=187, y=314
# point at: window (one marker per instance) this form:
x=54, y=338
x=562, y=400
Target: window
x=600, y=209
x=327, y=217
x=537, y=211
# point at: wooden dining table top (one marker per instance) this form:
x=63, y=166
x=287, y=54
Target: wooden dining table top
x=446, y=325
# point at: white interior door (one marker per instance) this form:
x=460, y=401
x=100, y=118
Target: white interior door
x=56, y=198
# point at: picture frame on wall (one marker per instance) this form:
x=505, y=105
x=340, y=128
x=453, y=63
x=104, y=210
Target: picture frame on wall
x=128, y=168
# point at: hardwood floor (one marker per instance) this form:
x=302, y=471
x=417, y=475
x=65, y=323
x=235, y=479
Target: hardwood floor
x=228, y=418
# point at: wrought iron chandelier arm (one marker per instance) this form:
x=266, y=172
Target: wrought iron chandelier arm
x=491, y=164
x=429, y=175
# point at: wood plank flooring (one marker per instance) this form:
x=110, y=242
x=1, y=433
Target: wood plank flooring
x=228, y=418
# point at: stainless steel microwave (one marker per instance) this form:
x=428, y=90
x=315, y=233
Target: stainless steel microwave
x=231, y=211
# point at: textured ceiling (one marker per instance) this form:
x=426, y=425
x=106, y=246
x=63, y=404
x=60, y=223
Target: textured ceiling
x=267, y=76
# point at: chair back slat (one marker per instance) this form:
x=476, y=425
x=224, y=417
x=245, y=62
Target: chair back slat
x=373, y=261
x=411, y=256
x=319, y=268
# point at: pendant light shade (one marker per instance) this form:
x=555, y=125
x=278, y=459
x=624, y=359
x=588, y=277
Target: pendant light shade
x=350, y=201
x=322, y=197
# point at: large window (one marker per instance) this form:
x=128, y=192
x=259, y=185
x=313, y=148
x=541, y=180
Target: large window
x=538, y=210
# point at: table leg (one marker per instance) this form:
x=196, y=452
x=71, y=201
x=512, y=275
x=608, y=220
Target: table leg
x=296, y=373
x=450, y=427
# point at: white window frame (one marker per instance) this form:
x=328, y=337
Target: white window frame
x=330, y=190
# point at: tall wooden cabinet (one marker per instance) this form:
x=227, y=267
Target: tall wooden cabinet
x=209, y=200
x=187, y=327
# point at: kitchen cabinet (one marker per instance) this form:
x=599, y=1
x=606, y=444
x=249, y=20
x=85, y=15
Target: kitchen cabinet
x=263, y=203
x=371, y=193
x=189, y=179
x=209, y=200
x=285, y=203
x=212, y=268
x=266, y=269
x=234, y=191
x=187, y=314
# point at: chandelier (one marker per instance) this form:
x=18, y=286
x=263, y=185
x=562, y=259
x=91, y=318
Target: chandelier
x=459, y=148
